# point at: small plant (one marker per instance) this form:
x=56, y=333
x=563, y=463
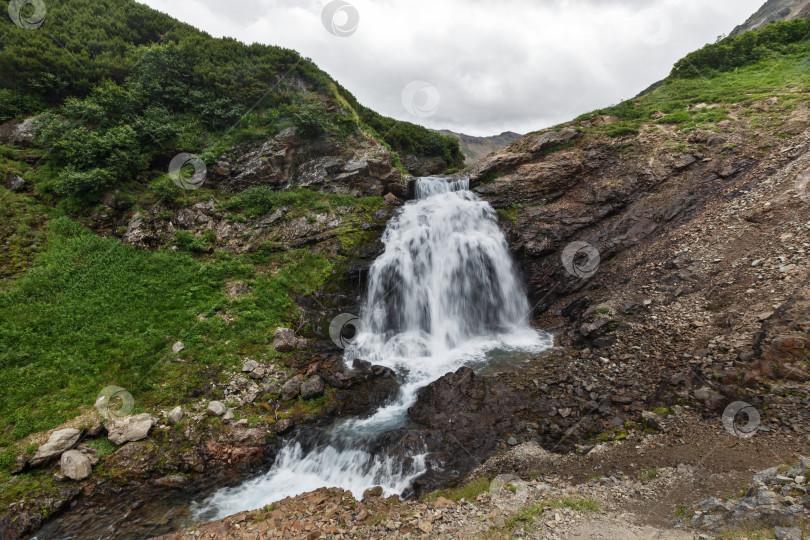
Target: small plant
x=648, y=474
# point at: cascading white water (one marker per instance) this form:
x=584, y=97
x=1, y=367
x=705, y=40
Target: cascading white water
x=442, y=295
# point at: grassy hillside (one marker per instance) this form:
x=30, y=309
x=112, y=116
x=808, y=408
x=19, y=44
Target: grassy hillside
x=744, y=68
x=120, y=83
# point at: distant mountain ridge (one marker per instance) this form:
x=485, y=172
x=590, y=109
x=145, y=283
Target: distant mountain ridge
x=476, y=148
x=774, y=11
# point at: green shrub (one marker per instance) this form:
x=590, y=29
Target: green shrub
x=619, y=130
x=678, y=117
x=732, y=52
x=311, y=121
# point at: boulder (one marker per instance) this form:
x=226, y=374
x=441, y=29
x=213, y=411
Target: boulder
x=59, y=442
x=216, y=408
x=551, y=139
x=312, y=387
x=285, y=340
x=15, y=183
x=130, y=428
x=174, y=416
x=75, y=465
x=291, y=388
x=249, y=366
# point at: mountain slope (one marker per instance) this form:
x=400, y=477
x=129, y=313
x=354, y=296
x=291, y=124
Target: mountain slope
x=475, y=148
x=774, y=11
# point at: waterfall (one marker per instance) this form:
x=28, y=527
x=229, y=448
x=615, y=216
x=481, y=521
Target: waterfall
x=443, y=295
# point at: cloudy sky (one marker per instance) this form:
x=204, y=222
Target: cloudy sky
x=478, y=66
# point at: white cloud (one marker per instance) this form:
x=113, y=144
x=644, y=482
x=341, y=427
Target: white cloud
x=515, y=65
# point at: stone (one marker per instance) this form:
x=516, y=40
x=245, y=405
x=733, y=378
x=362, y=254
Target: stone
x=228, y=416
x=15, y=183
x=652, y=419
x=375, y=491
x=257, y=373
x=130, y=428
x=511, y=441
x=685, y=161
x=285, y=340
x=174, y=416
x=59, y=442
x=249, y=366
x=291, y=388
x=551, y=139
x=782, y=533
x=312, y=387
x=284, y=425
x=177, y=347
x=75, y=465
x=392, y=200
x=216, y=408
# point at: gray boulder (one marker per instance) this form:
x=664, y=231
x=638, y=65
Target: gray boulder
x=15, y=183
x=291, y=388
x=217, y=408
x=130, y=428
x=59, y=442
x=174, y=416
x=285, y=340
x=75, y=465
x=312, y=387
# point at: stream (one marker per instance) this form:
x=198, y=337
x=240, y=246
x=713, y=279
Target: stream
x=444, y=294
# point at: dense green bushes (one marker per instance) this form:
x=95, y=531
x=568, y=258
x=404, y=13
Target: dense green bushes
x=732, y=52
x=124, y=83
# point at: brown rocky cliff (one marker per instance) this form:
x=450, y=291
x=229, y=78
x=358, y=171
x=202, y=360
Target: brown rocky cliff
x=701, y=236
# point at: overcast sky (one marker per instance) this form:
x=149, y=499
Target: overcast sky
x=478, y=66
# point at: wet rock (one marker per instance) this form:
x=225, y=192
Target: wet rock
x=75, y=465
x=216, y=408
x=312, y=387
x=59, y=442
x=285, y=340
x=375, y=491
x=129, y=428
x=174, y=416
x=173, y=481
x=284, y=425
x=392, y=200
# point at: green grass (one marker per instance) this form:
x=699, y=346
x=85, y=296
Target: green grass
x=259, y=200
x=760, y=79
x=648, y=474
x=94, y=312
x=468, y=491
x=580, y=505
